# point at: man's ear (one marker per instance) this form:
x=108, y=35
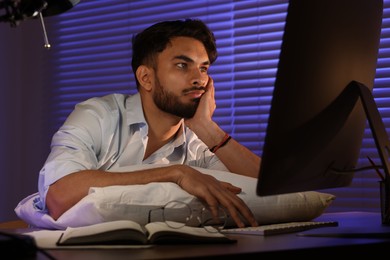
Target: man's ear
x=144, y=77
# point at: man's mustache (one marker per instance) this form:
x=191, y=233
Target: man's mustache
x=194, y=89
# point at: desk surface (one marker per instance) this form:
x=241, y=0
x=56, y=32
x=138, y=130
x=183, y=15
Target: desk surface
x=249, y=245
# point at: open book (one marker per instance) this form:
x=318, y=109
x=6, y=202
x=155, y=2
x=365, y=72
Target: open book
x=127, y=232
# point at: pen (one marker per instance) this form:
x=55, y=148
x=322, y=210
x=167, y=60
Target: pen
x=376, y=169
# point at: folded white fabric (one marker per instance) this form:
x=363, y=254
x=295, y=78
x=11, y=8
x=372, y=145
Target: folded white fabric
x=135, y=201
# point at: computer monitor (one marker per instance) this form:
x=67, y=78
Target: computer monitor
x=322, y=96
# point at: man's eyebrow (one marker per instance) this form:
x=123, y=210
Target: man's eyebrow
x=188, y=59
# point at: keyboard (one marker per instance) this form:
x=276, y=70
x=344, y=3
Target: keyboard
x=280, y=228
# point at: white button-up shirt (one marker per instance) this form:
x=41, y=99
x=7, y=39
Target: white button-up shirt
x=109, y=133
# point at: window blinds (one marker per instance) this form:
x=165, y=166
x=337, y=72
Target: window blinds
x=91, y=56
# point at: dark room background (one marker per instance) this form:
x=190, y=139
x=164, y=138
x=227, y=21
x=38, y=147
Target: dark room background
x=91, y=56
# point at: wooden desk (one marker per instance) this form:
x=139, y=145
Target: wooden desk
x=250, y=246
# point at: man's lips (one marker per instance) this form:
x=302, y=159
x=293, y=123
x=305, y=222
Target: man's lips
x=195, y=93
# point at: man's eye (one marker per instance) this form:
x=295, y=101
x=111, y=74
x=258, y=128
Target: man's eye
x=204, y=69
x=181, y=65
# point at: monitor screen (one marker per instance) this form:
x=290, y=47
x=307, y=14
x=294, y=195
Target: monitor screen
x=317, y=120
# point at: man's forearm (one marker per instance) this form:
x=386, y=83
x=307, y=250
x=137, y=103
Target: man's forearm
x=67, y=191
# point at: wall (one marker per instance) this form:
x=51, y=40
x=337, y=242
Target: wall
x=24, y=142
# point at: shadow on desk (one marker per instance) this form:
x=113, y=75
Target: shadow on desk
x=15, y=245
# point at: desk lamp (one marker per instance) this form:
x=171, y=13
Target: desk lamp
x=16, y=11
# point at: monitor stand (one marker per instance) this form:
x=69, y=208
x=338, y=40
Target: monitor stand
x=376, y=124
x=355, y=90
x=382, y=144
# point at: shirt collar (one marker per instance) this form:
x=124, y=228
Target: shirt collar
x=180, y=136
x=135, y=115
x=134, y=111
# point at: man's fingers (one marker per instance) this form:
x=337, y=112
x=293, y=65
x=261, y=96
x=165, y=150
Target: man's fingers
x=235, y=206
x=231, y=187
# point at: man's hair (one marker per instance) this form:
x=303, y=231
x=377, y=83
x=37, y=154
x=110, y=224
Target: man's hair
x=154, y=39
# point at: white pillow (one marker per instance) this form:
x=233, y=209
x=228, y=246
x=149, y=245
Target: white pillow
x=135, y=201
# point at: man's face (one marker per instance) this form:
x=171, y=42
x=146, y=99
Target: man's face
x=181, y=77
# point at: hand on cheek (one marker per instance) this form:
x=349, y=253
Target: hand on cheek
x=208, y=98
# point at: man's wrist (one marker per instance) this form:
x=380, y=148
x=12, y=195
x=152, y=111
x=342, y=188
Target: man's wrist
x=224, y=141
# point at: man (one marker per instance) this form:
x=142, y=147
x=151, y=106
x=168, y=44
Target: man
x=169, y=121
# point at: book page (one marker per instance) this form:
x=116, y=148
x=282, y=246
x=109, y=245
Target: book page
x=127, y=232
x=113, y=232
x=47, y=239
x=161, y=233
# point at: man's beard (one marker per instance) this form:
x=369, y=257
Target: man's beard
x=170, y=103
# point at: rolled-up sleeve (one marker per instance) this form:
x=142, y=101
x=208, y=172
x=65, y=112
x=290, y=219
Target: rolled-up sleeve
x=82, y=142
